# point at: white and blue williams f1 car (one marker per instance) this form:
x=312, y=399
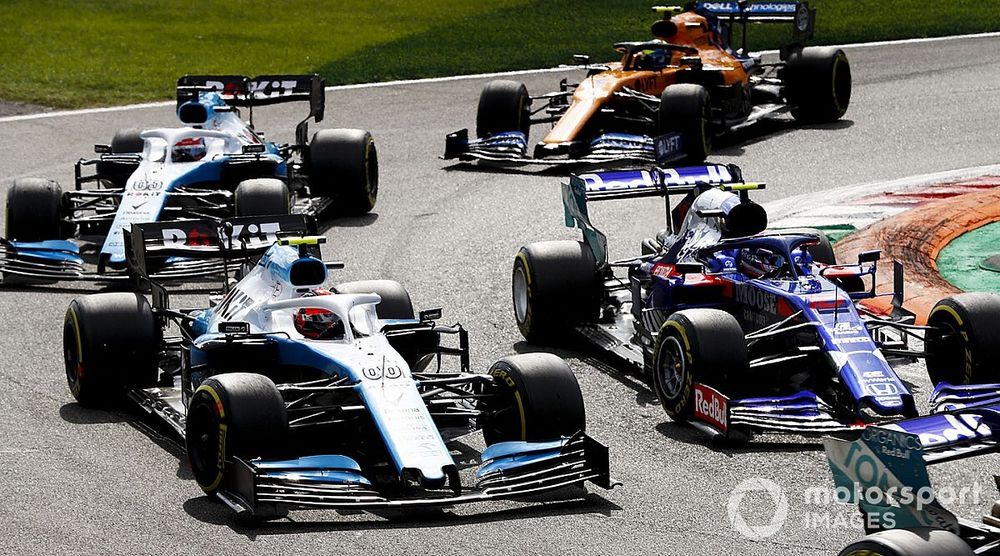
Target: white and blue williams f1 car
x=884, y=471
x=290, y=396
x=740, y=329
x=216, y=166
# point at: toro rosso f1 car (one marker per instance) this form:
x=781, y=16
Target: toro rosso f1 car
x=290, y=396
x=884, y=471
x=667, y=96
x=216, y=166
x=739, y=329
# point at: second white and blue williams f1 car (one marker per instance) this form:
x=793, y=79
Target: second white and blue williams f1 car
x=292, y=396
x=215, y=166
x=738, y=328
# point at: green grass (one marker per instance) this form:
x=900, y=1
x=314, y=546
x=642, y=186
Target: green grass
x=90, y=53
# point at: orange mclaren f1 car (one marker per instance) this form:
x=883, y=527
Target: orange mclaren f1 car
x=667, y=97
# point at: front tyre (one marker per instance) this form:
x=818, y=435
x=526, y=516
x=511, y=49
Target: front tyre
x=818, y=84
x=503, y=106
x=921, y=541
x=262, y=197
x=34, y=210
x=343, y=165
x=538, y=398
x=232, y=415
x=555, y=286
x=706, y=346
x=686, y=108
x=111, y=344
x=963, y=345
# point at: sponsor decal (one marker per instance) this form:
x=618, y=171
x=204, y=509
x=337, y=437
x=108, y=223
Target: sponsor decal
x=661, y=270
x=882, y=389
x=697, y=174
x=272, y=89
x=145, y=184
x=711, y=407
x=847, y=328
x=756, y=298
x=253, y=235
x=855, y=340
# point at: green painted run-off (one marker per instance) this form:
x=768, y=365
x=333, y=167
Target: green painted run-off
x=959, y=262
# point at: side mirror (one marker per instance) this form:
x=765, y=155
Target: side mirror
x=102, y=149
x=430, y=314
x=869, y=256
x=581, y=59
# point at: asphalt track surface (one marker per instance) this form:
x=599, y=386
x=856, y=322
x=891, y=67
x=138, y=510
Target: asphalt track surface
x=85, y=482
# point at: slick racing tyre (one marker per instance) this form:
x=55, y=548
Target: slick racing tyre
x=538, y=398
x=555, y=286
x=261, y=197
x=696, y=345
x=396, y=304
x=922, y=541
x=125, y=141
x=686, y=107
x=232, y=415
x=34, y=210
x=503, y=106
x=111, y=344
x=963, y=344
x=818, y=84
x=343, y=165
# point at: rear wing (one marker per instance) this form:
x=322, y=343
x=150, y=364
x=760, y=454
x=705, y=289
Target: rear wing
x=150, y=244
x=634, y=184
x=263, y=90
x=799, y=14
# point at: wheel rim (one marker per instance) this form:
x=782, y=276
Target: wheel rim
x=203, y=443
x=520, y=288
x=671, y=367
x=73, y=368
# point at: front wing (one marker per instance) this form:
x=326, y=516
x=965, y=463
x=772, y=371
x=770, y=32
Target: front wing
x=509, y=470
x=511, y=147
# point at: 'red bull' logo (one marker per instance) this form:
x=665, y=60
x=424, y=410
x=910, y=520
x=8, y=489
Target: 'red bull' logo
x=711, y=407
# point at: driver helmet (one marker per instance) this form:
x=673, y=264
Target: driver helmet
x=191, y=149
x=651, y=59
x=319, y=324
x=757, y=262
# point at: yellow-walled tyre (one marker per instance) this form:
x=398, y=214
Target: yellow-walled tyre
x=232, y=415
x=963, y=345
x=538, y=398
x=696, y=346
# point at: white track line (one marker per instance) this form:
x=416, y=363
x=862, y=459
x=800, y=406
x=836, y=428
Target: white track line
x=788, y=207
x=85, y=111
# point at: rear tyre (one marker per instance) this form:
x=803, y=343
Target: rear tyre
x=963, y=346
x=922, y=541
x=127, y=141
x=818, y=84
x=686, y=108
x=503, y=106
x=262, y=197
x=696, y=345
x=538, y=399
x=111, y=343
x=343, y=165
x=555, y=286
x=232, y=415
x=34, y=211
x=396, y=304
